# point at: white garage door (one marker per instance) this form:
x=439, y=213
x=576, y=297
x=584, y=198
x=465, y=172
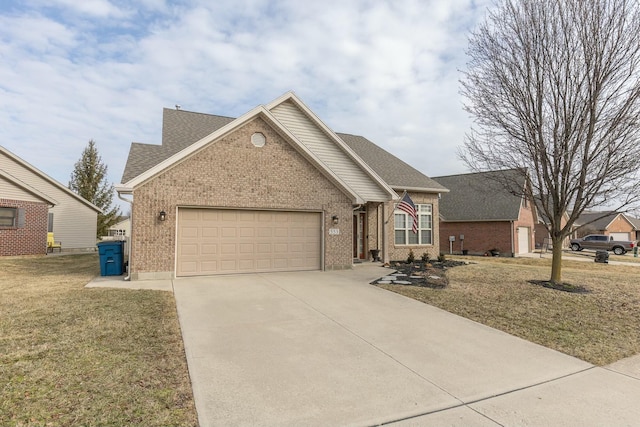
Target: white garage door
x=523, y=240
x=620, y=236
x=217, y=241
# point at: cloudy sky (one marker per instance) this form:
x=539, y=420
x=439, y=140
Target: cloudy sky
x=71, y=71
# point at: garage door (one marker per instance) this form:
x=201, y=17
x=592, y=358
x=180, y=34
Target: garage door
x=216, y=241
x=620, y=236
x=523, y=240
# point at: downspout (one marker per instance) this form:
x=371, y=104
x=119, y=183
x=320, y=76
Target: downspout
x=513, y=248
x=130, y=201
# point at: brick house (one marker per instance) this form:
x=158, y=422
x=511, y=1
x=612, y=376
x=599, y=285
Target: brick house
x=23, y=217
x=620, y=226
x=479, y=214
x=32, y=204
x=273, y=190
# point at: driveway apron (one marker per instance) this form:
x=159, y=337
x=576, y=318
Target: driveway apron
x=326, y=348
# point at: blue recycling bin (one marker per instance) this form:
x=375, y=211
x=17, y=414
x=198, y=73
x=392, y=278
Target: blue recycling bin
x=111, y=258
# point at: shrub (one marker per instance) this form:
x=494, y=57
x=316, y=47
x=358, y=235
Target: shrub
x=411, y=257
x=441, y=257
x=425, y=257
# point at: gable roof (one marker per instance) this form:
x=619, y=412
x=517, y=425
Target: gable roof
x=480, y=197
x=398, y=174
x=600, y=220
x=349, y=159
x=26, y=187
x=32, y=169
x=179, y=130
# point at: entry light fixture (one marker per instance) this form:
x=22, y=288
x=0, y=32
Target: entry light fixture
x=162, y=216
x=334, y=219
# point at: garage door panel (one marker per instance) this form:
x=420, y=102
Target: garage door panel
x=209, y=231
x=226, y=241
x=209, y=266
x=208, y=249
x=264, y=248
x=246, y=248
x=229, y=249
x=191, y=249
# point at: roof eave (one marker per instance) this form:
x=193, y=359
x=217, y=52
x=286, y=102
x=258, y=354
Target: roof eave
x=420, y=189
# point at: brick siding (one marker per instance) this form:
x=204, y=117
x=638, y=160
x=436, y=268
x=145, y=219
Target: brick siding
x=479, y=236
x=30, y=239
x=233, y=173
x=401, y=252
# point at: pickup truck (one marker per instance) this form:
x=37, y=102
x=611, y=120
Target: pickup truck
x=602, y=242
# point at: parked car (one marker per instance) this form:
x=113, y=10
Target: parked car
x=602, y=242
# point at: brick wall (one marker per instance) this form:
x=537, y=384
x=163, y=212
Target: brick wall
x=479, y=237
x=401, y=252
x=30, y=239
x=233, y=173
x=620, y=225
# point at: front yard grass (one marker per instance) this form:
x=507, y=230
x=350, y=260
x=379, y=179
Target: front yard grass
x=600, y=327
x=71, y=356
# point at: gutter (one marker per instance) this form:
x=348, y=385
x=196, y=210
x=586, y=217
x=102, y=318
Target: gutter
x=120, y=191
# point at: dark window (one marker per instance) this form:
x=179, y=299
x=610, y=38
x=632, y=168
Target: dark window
x=8, y=217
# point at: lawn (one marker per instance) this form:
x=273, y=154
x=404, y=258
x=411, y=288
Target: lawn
x=71, y=356
x=600, y=326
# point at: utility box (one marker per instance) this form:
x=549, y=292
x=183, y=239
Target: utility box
x=111, y=257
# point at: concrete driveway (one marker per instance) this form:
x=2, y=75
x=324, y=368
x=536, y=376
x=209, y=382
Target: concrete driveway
x=326, y=348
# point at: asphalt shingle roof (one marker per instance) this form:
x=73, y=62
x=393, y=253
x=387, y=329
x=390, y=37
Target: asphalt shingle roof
x=182, y=128
x=179, y=130
x=479, y=197
x=602, y=223
x=391, y=169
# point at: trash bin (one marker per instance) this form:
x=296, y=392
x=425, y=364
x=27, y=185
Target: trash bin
x=602, y=256
x=111, y=258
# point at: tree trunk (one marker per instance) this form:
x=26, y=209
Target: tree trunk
x=556, y=261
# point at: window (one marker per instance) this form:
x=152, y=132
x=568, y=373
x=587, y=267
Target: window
x=8, y=217
x=402, y=224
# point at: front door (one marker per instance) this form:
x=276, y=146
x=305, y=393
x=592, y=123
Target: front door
x=359, y=235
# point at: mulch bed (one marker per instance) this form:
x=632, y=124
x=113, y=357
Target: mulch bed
x=427, y=275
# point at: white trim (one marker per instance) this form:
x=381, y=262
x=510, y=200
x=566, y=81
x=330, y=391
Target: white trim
x=421, y=189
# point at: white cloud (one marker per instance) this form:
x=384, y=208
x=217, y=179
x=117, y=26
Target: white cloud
x=385, y=70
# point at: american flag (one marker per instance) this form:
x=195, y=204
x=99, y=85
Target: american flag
x=406, y=205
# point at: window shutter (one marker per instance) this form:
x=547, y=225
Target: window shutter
x=50, y=226
x=21, y=218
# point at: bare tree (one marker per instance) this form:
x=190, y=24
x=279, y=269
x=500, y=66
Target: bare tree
x=553, y=88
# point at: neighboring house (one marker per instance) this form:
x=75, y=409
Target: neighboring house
x=120, y=229
x=542, y=236
x=273, y=190
x=23, y=217
x=72, y=219
x=479, y=215
x=617, y=225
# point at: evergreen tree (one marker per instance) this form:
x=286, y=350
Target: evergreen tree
x=89, y=181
